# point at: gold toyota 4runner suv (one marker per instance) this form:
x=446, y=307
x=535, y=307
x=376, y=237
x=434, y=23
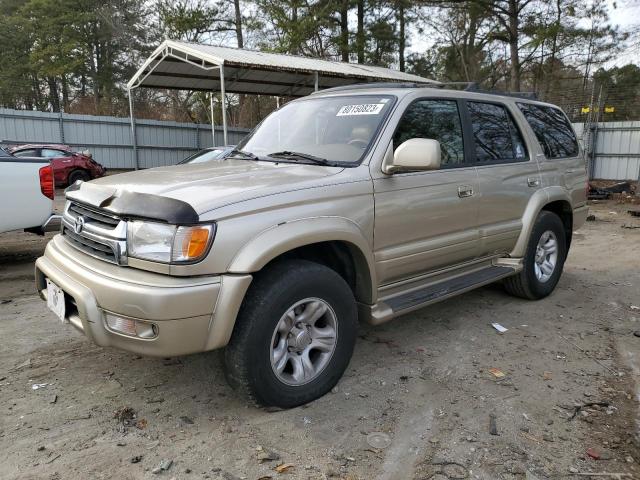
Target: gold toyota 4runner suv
x=356, y=203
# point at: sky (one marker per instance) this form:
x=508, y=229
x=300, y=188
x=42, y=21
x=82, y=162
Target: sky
x=625, y=14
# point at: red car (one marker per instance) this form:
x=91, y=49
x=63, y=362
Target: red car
x=68, y=166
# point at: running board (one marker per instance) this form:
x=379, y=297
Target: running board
x=415, y=299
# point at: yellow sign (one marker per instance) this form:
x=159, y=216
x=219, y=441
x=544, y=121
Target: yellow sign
x=609, y=109
x=585, y=110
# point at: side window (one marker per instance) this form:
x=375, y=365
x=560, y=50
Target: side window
x=495, y=134
x=51, y=153
x=30, y=152
x=435, y=120
x=552, y=130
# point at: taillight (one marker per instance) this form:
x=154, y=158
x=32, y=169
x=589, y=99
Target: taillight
x=46, y=182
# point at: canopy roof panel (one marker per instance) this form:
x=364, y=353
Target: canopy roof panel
x=190, y=66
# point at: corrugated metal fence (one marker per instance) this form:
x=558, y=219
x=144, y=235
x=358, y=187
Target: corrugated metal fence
x=613, y=150
x=109, y=138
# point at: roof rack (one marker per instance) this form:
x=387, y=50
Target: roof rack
x=473, y=87
x=363, y=86
x=466, y=86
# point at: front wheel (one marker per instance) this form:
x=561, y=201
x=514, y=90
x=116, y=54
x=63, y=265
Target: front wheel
x=294, y=335
x=543, y=261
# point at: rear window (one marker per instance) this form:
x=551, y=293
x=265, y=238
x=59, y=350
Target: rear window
x=552, y=129
x=495, y=134
x=30, y=152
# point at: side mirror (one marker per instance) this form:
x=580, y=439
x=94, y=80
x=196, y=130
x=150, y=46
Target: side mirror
x=416, y=154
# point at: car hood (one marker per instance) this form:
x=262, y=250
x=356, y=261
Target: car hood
x=206, y=186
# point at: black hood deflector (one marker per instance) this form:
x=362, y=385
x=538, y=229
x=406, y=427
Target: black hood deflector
x=128, y=204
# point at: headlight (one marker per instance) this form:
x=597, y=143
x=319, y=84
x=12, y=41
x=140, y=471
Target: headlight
x=164, y=243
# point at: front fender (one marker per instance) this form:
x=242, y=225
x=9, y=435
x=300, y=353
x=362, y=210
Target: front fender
x=279, y=239
x=537, y=202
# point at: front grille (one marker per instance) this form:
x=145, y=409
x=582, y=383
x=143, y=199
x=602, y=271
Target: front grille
x=101, y=219
x=95, y=232
x=91, y=247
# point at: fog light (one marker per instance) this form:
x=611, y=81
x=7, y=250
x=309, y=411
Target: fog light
x=131, y=327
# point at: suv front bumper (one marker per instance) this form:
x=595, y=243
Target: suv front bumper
x=191, y=314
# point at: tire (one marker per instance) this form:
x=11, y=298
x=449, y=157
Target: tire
x=262, y=324
x=533, y=283
x=76, y=175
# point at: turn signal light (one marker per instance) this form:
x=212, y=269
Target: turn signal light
x=191, y=243
x=131, y=327
x=195, y=242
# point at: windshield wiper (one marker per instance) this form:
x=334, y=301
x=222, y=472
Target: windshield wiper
x=250, y=155
x=289, y=155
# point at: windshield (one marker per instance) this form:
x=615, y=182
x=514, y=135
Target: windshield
x=338, y=129
x=205, y=156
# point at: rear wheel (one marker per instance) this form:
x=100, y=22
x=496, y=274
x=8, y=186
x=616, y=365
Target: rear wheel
x=543, y=261
x=294, y=335
x=78, y=175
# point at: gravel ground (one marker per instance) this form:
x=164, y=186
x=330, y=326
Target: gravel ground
x=418, y=401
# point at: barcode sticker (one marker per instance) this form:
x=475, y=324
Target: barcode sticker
x=364, y=109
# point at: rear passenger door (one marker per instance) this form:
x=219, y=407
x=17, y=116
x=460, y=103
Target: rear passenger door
x=507, y=175
x=560, y=160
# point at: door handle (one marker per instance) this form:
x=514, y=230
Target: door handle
x=465, y=191
x=533, y=181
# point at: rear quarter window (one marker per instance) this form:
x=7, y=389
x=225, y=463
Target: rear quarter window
x=552, y=129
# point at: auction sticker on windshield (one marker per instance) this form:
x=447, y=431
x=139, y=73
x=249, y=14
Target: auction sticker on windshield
x=363, y=109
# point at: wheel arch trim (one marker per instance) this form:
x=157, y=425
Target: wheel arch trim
x=282, y=238
x=538, y=201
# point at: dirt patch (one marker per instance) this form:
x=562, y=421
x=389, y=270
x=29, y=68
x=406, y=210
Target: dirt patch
x=567, y=402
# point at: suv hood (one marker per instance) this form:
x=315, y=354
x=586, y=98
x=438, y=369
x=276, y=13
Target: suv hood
x=204, y=186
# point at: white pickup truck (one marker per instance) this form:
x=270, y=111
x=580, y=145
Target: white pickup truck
x=26, y=194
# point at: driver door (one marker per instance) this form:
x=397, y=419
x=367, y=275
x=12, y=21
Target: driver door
x=427, y=220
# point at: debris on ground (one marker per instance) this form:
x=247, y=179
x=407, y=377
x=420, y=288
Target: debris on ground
x=547, y=375
x=264, y=455
x=141, y=424
x=378, y=440
x=186, y=420
x=499, y=327
x=496, y=372
x=38, y=386
x=168, y=362
x=26, y=363
x=579, y=408
x=597, y=193
x=126, y=416
x=163, y=467
x=284, y=467
x=593, y=453
x=612, y=476
x=136, y=459
x=591, y=218
x=493, y=427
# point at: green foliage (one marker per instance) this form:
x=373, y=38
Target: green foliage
x=79, y=54
x=621, y=91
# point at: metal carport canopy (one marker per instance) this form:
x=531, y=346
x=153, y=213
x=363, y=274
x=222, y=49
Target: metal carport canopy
x=192, y=66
